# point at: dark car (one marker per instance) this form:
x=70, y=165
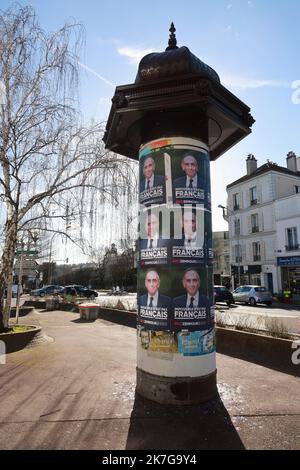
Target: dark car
x=81, y=291
x=47, y=290
x=222, y=294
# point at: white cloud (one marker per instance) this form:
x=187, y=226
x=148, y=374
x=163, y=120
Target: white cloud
x=96, y=74
x=244, y=83
x=133, y=53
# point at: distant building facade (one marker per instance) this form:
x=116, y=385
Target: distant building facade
x=264, y=225
x=221, y=261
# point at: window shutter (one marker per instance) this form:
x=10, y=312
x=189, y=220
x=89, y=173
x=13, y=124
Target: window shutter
x=243, y=252
x=262, y=251
x=259, y=193
x=249, y=223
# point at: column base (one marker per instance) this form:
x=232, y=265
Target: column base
x=176, y=390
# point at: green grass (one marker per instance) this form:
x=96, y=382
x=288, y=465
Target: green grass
x=18, y=329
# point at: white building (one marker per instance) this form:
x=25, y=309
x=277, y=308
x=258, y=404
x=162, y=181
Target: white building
x=221, y=262
x=264, y=222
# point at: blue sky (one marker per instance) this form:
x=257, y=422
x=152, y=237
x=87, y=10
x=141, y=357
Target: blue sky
x=252, y=44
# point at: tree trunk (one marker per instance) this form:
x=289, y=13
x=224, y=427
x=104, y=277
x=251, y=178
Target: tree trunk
x=6, y=275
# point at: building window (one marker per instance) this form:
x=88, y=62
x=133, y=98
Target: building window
x=237, y=226
x=254, y=223
x=236, y=201
x=292, y=239
x=297, y=189
x=237, y=254
x=256, y=251
x=253, y=196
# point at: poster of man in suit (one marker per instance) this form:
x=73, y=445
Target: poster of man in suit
x=152, y=180
x=193, y=309
x=190, y=247
x=191, y=186
x=153, y=306
x=153, y=248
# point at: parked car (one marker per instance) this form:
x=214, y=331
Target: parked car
x=81, y=291
x=252, y=295
x=47, y=290
x=222, y=294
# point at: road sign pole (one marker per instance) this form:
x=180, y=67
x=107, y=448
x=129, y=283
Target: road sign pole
x=19, y=288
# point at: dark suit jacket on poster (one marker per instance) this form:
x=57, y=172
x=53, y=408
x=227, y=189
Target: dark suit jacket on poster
x=180, y=302
x=181, y=183
x=162, y=302
x=181, y=241
x=160, y=243
x=158, y=181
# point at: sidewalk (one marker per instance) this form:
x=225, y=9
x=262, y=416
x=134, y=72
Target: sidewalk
x=78, y=392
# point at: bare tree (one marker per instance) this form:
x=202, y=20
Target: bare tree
x=45, y=156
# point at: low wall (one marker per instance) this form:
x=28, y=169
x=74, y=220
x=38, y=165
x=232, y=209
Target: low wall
x=24, y=310
x=274, y=353
x=123, y=317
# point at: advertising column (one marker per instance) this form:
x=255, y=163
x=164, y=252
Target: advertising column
x=176, y=337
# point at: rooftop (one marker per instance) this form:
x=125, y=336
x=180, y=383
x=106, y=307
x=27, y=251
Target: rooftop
x=269, y=166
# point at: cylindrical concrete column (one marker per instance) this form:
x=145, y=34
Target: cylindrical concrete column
x=176, y=338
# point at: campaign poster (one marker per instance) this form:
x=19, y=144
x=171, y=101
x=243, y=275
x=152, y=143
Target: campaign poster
x=196, y=343
x=190, y=238
x=190, y=177
x=152, y=179
x=192, y=298
x=153, y=243
x=154, y=301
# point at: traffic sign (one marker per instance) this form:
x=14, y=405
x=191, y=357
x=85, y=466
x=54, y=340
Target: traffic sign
x=26, y=252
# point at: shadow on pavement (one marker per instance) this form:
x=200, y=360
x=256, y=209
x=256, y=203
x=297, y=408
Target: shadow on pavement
x=80, y=320
x=206, y=426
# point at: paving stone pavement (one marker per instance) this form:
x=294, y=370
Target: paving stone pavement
x=78, y=392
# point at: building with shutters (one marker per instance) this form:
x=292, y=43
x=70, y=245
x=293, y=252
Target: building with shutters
x=264, y=225
x=221, y=260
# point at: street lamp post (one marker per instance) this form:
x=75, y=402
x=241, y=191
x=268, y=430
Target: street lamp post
x=50, y=254
x=225, y=217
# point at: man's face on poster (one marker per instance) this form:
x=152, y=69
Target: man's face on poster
x=152, y=282
x=151, y=226
x=189, y=166
x=189, y=223
x=148, y=168
x=191, y=282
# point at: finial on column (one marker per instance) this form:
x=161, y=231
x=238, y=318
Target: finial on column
x=172, y=39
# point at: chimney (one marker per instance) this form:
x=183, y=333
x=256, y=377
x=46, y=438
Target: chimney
x=251, y=163
x=291, y=162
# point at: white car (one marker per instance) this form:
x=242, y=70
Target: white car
x=252, y=295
